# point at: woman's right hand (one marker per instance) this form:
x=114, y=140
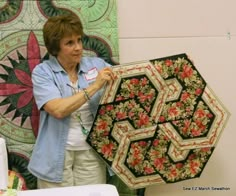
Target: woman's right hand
x=105, y=75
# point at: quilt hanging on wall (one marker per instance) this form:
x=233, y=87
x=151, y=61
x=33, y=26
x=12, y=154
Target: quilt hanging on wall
x=22, y=48
x=158, y=122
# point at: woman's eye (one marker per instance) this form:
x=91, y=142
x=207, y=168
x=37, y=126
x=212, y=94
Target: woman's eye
x=69, y=43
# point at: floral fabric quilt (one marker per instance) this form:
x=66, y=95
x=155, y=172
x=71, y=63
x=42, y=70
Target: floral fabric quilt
x=158, y=122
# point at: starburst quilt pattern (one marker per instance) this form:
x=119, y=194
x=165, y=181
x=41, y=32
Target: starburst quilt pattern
x=158, y=122
x=22, y=48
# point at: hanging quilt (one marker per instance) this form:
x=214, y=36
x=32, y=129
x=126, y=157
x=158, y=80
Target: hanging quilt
x=158, y=122
x=22, y=48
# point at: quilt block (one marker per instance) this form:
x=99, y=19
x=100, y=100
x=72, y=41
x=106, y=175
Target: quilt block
x=158, y=122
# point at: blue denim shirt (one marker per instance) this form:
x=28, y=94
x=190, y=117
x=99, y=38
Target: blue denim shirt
x=49, y=82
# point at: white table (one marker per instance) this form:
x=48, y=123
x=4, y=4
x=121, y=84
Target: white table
x=86, y=190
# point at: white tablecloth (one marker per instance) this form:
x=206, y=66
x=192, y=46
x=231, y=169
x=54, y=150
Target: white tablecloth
x=3, y=165
x=87, y=190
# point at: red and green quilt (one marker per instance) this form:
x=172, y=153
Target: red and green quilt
x=22, y=48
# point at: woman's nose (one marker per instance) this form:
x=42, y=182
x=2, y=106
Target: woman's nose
x=78, y=45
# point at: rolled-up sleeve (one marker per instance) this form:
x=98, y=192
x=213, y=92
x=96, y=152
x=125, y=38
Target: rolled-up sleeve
x=44, y=87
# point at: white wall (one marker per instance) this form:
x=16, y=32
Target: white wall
x=206, y=31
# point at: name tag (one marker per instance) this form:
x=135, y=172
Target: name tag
x=92, y=74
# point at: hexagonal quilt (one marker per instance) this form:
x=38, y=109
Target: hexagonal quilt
x=158, y=122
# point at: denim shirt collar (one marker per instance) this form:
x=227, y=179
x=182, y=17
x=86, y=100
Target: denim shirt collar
x=56, y=67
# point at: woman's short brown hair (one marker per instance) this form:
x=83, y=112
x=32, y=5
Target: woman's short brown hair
x=58, y=27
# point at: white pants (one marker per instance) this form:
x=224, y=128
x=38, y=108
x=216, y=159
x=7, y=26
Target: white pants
x=80, y=168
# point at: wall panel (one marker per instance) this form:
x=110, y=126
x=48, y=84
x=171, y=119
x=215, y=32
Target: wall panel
x=206, y=31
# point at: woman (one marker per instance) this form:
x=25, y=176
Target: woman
x=67, y=89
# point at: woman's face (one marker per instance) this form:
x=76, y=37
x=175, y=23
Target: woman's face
x=71, y=50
